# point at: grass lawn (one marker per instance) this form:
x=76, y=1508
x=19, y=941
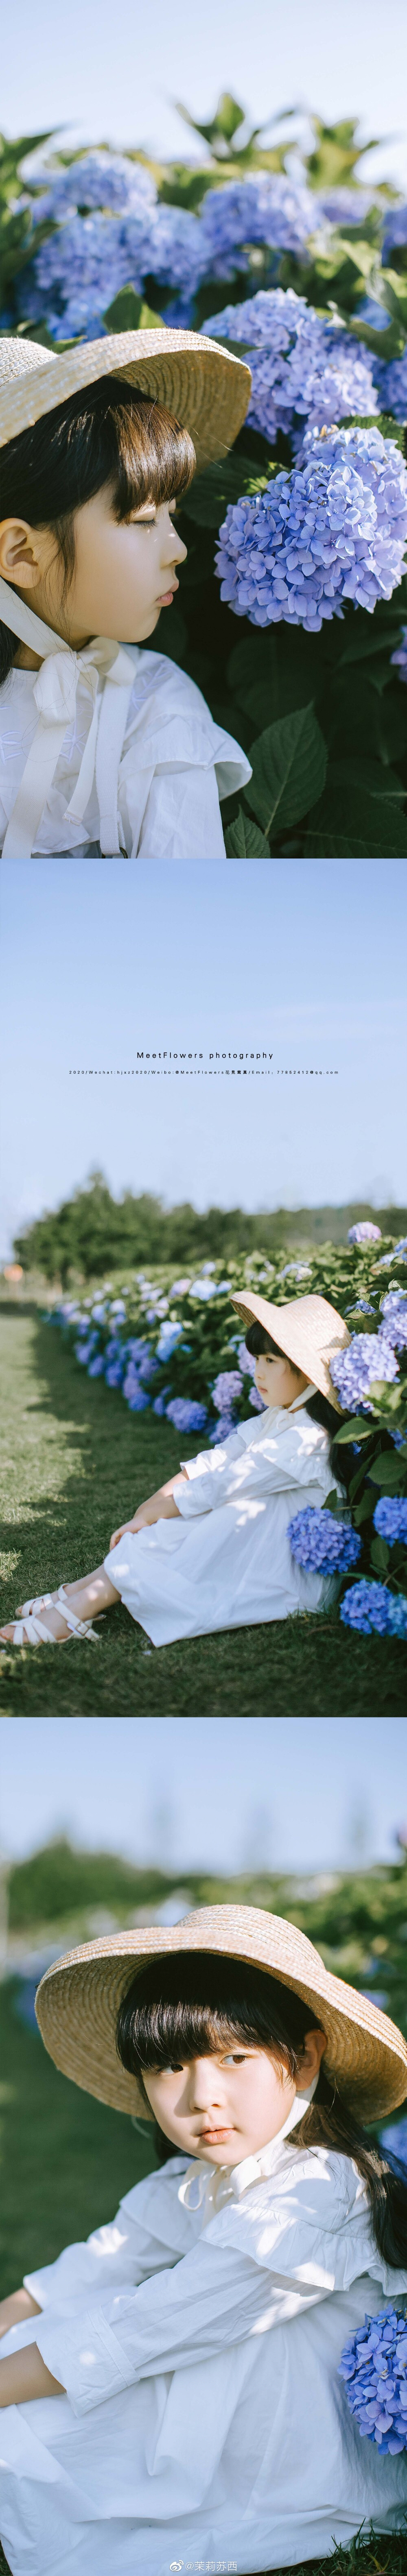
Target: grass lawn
x=76, y=1463
x=50, y=2198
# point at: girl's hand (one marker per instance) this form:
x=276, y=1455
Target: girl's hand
x=24, y=2375
x=120, y=1533
x=160, y=1507
x=16, y=2308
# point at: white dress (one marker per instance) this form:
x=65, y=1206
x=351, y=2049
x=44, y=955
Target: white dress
x=141, y=775
x=226, y=1562
x=204, y=2423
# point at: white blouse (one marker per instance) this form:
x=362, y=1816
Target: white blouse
x=158, y=797
x=198, y=2337
x=226, y=1561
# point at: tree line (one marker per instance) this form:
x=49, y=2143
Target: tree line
x=92, y=1232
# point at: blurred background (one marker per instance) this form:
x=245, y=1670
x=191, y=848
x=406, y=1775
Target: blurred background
x=138, y=1822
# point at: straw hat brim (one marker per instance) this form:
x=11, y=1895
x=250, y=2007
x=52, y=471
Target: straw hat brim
x=204, y=386
x=78, y=2000
x=307, y=1330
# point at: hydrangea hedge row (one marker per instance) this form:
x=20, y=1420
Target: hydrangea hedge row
x=174, y=1345
x=304, y=270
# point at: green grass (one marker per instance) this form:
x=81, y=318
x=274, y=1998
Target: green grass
x=76, y=1464
x=54, y=2194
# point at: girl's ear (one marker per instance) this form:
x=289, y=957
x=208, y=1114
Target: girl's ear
x=20, y=550
x=313, y=2050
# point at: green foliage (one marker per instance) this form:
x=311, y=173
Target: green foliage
x=243, y=840
x=289, y=768
x=129, y=313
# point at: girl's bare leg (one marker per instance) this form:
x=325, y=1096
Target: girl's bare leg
x=88, y=1597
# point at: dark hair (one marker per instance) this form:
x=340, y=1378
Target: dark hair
x=258, y=1342
x=189, y=2004
x=104, y=434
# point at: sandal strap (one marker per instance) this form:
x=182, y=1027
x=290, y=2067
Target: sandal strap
x=78, y=1627
x=40, y=1601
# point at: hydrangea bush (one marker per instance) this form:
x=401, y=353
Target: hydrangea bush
x=282, y=253
x=374, y=2367
x=175, y=1345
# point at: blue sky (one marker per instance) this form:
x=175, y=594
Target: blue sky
x=306, y=959
x=127, y=74
x=297, y=1794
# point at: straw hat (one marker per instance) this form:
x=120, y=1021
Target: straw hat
x=309, y=1332
x=78, y=2001
x=201, y=384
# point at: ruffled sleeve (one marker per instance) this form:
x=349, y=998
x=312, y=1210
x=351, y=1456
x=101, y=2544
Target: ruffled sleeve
x=176, y=766
x=285, y=1451
x=262, y=2261
x=142, y=2239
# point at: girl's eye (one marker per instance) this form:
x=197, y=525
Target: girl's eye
x=236, y=2059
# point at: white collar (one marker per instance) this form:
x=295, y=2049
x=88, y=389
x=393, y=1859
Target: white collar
x=216, y=2183
x=55, y=687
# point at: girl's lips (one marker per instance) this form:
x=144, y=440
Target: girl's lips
x=167, y=595
x=209, y=2137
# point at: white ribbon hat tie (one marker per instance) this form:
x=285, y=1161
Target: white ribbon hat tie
x=55, y=691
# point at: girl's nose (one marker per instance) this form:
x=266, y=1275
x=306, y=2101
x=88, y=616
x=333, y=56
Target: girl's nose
x=204, y=2084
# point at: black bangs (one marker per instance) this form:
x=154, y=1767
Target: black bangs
x=260, y=1344
x=154, y=456
x=187, y=2007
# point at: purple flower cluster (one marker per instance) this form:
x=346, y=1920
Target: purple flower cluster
x=322, y=1544
x=227, y=1390
x=369, y=1606
x=400, y=656
x=334, y=531
x=124, y=236
x=266, y=209
x=374, y=2367
x=303, y=368
x=96, y=179
x=185, y=1415
x=367, y=1357
x=391, y=382
x=345, y=206
x=390, y=1518
x=393, y=1327
x=222, y=1431
x=364, y=1233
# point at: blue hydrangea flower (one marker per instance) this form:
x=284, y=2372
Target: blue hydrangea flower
x=401, y=1247
x=400, y=657
x=321, y=1544
x=368, y=1606
x=393, y=1325
x=178, y=255
x=185, y=1415
x=364, y=1233
x=148, y=1369
x=345, y=205
x=374, y=2367
x=303, y=368
x=353, y=1371
x=394, y=230
x=390, y=1518
x=80, y=269
x=221, y=1431
x=84, y=1349
x=391, y=381
x=136, y=1398
x=257, y=1400
x=160, y=1402
x=375, y=314
x=267, y=208
x=136, y=1349
x=95, y=179
x=394, y=2136
x=398, y=1621
x=169, y=1336
x=247, y=1363
x=96, y=1366
x=226, y=1390
x=334, y=531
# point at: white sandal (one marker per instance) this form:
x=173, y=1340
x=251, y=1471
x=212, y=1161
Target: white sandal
x=29, y=1629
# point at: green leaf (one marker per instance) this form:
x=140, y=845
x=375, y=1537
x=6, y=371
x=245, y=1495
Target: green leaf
x=388, y=1473
x=209, y=494
x=357, y=1429
x=289, y=764
x=243, y=840
x=348, y=821
x=380, y=1555
x=129, y=313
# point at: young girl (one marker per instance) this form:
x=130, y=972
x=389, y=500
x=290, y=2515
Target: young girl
x=172, y=2385
x=106, y=748
x=210, y=1549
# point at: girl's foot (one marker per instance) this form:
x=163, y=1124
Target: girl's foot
x=48, y=1626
